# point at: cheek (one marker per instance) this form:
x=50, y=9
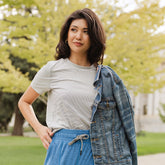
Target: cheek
x=70, y=36
x=88, y=39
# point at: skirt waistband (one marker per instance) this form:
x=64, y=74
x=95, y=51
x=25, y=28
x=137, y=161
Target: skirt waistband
x=70, y=134
x=73, y=136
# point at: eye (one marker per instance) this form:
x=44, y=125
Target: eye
x=73, y=29
x=86, y=31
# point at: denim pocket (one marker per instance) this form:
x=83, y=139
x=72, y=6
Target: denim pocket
x=118, y=152
x=121, y=146
x=107, y=108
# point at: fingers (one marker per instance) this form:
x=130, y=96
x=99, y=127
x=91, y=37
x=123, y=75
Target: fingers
x=45, y=144
x=46, y=141
x=50, y=133
x=45, y=136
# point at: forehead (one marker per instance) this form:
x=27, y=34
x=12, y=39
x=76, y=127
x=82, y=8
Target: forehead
x=80, y=23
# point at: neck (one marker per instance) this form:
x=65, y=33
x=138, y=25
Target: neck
x=80, y=60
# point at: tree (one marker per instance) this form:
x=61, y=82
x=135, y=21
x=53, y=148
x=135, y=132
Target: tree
x=32, y=32
x=6, y=104
x=24, y=67
x=133, y=49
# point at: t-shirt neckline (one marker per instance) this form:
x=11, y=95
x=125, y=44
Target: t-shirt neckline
x=80, y=66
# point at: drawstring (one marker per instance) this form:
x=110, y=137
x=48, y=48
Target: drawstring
x=81, y=138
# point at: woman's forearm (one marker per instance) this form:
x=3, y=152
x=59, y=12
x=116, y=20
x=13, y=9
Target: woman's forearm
x=28, y=113
x=25, y=106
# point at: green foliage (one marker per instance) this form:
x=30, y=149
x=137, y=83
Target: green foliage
x=8, y=101
x=7, y=104
x=12, y=80
x=27, y=67
x=18, y=3
x=133, y=46
x=24, y=66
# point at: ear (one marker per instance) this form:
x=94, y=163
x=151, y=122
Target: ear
x=66, y=41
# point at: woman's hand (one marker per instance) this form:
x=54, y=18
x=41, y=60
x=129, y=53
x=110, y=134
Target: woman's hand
x=45, y=135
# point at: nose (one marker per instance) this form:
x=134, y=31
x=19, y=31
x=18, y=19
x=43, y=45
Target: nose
x=78, y=35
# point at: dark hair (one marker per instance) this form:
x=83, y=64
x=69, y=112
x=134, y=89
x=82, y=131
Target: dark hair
x=96, y=35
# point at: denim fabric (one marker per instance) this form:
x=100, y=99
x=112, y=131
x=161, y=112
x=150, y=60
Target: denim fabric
x=112, y=128
x=61, y=153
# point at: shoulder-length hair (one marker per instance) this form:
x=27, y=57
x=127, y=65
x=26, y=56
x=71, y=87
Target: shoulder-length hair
x=95, y=31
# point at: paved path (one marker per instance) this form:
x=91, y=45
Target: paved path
x=156, y=159
x=27, y=134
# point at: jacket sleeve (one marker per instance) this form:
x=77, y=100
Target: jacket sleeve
x=127, y=116
x=126, y=112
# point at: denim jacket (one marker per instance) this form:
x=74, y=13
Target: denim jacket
x=112, y=130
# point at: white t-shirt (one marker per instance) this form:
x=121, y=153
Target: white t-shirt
x=70, y=93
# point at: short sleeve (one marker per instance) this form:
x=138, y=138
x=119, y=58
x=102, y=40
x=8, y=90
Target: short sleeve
x=41, y=81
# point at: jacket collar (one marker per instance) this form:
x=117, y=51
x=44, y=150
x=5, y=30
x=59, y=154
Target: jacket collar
x=98, y=73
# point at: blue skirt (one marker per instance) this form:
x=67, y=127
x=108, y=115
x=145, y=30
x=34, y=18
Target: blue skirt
x=70, y=147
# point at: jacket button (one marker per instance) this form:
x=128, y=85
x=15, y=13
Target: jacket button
x=97, y=156
x=95, y=139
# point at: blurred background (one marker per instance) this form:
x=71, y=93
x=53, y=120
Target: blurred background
x=135, y=49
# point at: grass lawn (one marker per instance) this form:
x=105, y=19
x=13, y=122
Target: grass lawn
x=21, y=151
x=151, y=143
x=29, y=151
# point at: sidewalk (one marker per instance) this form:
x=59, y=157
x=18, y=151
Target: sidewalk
x=156, y=159
x=26, y=134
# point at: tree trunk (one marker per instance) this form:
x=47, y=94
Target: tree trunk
x=18, y=124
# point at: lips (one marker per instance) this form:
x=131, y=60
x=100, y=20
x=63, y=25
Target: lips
x=78, y=43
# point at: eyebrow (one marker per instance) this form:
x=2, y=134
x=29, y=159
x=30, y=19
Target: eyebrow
x=77, y=27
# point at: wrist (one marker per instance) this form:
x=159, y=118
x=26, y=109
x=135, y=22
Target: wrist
x=37, y=127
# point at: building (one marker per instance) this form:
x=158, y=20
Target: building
x=147, y=107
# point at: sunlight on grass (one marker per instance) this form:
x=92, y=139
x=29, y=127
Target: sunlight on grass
x=151, y=143
x=21, y=151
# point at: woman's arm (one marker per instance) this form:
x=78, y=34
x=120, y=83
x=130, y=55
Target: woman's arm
x=25, y=106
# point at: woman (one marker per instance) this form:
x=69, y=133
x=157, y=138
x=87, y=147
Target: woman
x=86, y=125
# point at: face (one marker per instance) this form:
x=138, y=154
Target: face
x=78, y=38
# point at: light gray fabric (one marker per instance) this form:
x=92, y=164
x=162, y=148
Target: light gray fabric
x=70, y=93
